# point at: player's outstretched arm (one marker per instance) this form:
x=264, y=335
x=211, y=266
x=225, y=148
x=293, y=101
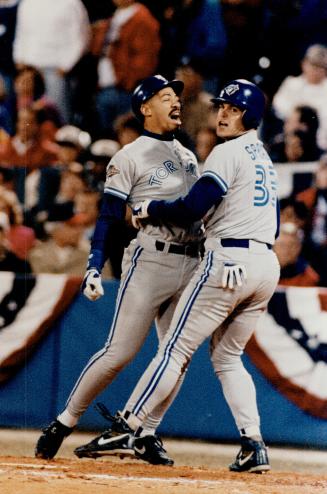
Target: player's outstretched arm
x=184, y=211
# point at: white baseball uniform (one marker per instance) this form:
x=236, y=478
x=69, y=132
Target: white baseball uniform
x=240, y=230
x=156, y=267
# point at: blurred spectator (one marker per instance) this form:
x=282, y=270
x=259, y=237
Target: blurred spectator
x=196, y=103
x=19, y=238
x=300, y=126
x=128, y=47
x=127, y=128
x=8, y=12
x=205, y=141
x=72, y=143
x=291, y=26
x=64, y=251
x=30, y=93
x=315, y=198
x=101, y=152
x=295, y=270
x=293, y=211
x=8, y=260
x=25, y=148
x=202, y=36
x=244, y=22
x=309, y=88
x=52, y=36
x=6, y=124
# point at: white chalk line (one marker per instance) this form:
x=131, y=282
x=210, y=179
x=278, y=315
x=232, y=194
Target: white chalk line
x=27, y=469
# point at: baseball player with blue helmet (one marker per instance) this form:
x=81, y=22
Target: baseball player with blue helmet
x=236, y=278
x=163, y=256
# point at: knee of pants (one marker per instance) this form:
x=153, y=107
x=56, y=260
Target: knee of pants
x=225, y=362
x=113, y=361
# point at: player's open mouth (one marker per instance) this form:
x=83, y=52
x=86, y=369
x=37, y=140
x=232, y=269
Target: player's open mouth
x=175, y=116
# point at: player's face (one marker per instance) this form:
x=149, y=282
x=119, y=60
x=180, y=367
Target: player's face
x=229, y=121
x=162, y=112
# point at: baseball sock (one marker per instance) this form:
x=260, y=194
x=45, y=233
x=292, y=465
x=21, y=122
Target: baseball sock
x=67, y=419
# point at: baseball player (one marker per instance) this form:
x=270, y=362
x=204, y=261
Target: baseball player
x=163, y=256
x=236, y=278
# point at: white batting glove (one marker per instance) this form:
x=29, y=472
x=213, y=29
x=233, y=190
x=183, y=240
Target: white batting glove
x=92, y=286
x=140, y=211
x=232, y=273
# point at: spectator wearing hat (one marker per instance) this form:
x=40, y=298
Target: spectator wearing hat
x=128, y=47
x=100, y=153
x=309, y=88
x=72, y=143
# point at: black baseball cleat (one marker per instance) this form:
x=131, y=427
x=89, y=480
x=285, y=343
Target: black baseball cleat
x=118, y=440
x=252, y=457
x=51, y=439
x=150, y=449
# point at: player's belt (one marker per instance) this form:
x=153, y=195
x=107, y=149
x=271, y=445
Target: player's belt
x=239, y=242
x=191, y=250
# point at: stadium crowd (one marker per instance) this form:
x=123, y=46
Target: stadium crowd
x=67, y=72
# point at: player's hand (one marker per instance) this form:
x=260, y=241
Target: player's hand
x=233, y=273
x=92, y=286
x=140, y=211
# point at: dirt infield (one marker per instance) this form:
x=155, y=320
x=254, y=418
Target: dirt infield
x=21, y=473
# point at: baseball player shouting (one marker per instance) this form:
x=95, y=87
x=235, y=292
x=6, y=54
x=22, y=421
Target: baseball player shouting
x=163, y=256
x=236, y=278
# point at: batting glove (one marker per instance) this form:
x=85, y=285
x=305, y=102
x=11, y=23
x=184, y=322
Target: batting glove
x=140, y=211
x=232, y=273
x=92, y=286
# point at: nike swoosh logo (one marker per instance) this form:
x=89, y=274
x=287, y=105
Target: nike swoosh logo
x=244, y=460
x=141, y=451
x=102, y=441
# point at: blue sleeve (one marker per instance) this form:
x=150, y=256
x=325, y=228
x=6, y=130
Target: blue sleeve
x=112, y=212
x=204, y=194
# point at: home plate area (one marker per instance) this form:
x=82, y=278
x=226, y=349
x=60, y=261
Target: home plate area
x=199, y=468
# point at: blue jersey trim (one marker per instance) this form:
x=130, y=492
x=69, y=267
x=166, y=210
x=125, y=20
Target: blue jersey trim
x=221, y=182
x=115, y=192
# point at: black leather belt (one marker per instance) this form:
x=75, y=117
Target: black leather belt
x=239, y=242
x=191, y=250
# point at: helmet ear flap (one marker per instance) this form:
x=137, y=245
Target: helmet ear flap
x=249, y=121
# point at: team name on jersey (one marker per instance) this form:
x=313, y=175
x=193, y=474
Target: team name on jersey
x=257, y=151
x=167, y=168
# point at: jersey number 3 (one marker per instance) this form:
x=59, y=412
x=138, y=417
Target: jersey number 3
x=265, y=188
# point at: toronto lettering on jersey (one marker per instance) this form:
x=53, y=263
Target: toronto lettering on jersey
x=167, y=169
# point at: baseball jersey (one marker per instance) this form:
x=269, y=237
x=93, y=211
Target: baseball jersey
x=245, y=173
x=151, y=168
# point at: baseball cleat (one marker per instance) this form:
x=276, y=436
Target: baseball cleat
x=150, y=449
x=51, y=439
x=118, y=440
x=252, y=457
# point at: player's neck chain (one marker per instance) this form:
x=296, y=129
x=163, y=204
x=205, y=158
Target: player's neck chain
x=168, y=136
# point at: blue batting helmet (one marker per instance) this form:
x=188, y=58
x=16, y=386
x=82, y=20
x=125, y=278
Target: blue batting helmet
x=246, y=96
x=149, y=87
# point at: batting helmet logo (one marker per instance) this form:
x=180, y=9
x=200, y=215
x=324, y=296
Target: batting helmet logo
x=231, y=89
